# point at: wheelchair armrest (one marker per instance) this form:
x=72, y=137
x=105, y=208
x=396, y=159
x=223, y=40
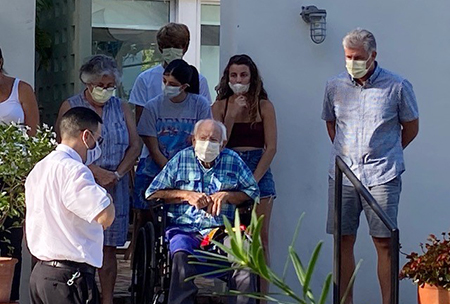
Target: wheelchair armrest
x=156, y=203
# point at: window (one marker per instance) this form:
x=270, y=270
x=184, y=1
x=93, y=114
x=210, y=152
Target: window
x=126, y=30
x=210, y=45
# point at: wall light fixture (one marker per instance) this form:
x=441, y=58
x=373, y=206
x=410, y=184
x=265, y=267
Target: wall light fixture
x=317, y=22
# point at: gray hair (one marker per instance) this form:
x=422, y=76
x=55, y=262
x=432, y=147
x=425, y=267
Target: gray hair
x=358, y=37
x=98, y=66
x=218, y=124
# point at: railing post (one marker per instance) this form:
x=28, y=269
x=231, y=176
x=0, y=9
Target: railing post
x=395, y=244
x=337, y=233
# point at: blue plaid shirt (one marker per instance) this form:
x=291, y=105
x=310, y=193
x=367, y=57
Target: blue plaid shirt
x=184, y=172
x=368, y=129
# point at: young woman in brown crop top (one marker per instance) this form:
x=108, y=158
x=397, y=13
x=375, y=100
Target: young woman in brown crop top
x=242, y=105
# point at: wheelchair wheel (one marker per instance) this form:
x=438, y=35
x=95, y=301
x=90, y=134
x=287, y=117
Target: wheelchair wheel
x=160, y=297
x=144, y=266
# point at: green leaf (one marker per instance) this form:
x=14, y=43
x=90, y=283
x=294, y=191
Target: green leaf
x=311, y=266
x=209, y=258
x=208, y=264
x=350, y=283
x=294, y=238
x=256, y=239
x=298, y=267
x=325, y=289
x=262, y=264
x=237, y=232
x=209, y=273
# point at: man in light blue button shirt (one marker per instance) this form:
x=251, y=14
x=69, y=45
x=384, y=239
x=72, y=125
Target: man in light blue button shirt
x=371, y=115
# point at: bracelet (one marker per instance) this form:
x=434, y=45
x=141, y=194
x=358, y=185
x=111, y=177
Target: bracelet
x=118, y=176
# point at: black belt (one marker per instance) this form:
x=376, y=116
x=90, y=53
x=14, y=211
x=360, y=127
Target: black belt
x=81, y=267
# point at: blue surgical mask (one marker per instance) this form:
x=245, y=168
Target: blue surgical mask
x=92, y=154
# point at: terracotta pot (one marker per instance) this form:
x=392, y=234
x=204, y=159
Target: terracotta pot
x=430, y=294
x=6, y=277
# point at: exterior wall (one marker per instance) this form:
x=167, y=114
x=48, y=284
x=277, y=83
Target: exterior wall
x=69, y=26
x=412, y=43
x=17, y=20
x=17, y=38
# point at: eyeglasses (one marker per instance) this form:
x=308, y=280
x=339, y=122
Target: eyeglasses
x=99, y=139
x=109, y=89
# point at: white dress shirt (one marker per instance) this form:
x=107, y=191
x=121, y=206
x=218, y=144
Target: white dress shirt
x=62, y=201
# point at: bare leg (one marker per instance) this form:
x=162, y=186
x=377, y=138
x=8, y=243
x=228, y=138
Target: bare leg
x=347, y=265
x=108, y=274
x=384, y=267
x=265, y=208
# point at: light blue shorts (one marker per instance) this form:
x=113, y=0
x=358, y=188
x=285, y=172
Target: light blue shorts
x=387, y=196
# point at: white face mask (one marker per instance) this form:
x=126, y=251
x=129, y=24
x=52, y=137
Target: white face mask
x=92, y=154
x=239, y=88
x=171, y=54
x=206, y=151
x=357, y=68
x=171, y=91
x=102, y=95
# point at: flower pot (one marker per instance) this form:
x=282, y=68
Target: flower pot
x=429, y=294
x=6, y=277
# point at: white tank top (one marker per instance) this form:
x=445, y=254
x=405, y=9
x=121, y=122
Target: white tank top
x=11, y=109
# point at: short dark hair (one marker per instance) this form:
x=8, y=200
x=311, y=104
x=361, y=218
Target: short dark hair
x=184, y=73
x=78, y=119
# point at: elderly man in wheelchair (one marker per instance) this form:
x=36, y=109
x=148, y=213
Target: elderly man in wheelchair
x=199, y=185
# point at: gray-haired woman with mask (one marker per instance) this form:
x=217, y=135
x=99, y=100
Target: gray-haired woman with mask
x=114, y=155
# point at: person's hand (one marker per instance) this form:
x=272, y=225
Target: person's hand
x=198, y=200
x=240, y=105
x=218, y=199
x=106, y=179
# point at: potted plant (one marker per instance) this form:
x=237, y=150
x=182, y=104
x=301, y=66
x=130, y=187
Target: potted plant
x=430, y=270
x=18, y=154
x=246, y=252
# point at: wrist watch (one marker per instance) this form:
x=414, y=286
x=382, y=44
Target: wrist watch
x=118, y=176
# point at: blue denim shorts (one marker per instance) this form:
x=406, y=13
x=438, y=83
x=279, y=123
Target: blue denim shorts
x=266, y=184
x=387, y=196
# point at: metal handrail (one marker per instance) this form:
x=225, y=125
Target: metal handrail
x=342, y=168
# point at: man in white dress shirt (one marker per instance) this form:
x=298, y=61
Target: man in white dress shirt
x=66, y=214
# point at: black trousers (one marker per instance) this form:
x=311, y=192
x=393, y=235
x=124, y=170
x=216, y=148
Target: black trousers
x=14, y=249
x=49, y=285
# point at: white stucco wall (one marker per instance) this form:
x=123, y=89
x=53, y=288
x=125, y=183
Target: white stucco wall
x=17, y=21
x=412, y=41
x=17, y=38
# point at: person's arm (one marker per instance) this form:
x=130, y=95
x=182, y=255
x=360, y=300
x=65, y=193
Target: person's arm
x=105, y=178
x=134, y=146
x=270, y=138
x=30, y=107
x=138, y=97
x=138, y=113
x=331, y=128
x=152, y=145
x=174, y=196
x=408, y=113
x=410, y=130
x=65, y=106
x=204, y=89
x=218, y=112
x=204, y=109
x=107, y=215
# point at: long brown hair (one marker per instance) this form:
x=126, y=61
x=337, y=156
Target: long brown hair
x=256, y=91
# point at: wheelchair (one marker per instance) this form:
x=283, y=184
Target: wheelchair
x=152, y=263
